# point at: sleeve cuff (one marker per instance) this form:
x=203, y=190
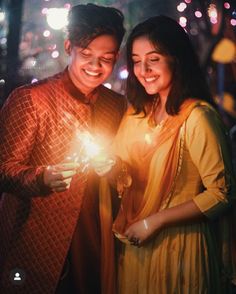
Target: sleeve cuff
x=209, y=205
x=44, y=189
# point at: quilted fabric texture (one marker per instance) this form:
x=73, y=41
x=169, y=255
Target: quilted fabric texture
x=37, y=125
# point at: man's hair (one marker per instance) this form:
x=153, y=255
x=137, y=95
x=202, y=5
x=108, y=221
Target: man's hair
x=86, y=22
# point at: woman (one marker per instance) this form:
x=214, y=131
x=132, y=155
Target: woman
x=173, y=145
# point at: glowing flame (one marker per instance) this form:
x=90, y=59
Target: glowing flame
x=91, y=148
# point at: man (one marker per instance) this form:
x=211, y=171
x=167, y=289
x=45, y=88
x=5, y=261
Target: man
x=48, y=239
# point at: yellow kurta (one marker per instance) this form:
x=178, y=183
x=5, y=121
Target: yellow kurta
x=182, y=259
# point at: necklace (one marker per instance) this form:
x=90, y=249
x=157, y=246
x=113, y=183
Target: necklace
x=155, y=121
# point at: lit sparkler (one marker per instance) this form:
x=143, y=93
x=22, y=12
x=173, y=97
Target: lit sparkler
x=88, y=151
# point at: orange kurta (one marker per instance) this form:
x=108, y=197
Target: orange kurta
x=37, y=126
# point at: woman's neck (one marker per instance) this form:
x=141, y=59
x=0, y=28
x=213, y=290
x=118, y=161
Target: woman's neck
x=157, y=112
x=160, y=113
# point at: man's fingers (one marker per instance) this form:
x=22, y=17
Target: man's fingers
x=68, y=174
x=58, y=184
x=59, y=175
x=66, y=166
x=62, y=175
x=61, y=189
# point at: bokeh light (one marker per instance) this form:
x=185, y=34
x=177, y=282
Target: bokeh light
x=46, y=33
x=181, y=7
x=183, y=21
x=57, y=18
x=233, y=22
x=226, y=5
x=2, y=16
x=123, y=74
x=198, y=14
x=55, y=54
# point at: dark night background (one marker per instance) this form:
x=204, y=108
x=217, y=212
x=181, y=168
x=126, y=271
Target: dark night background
x=30, y=49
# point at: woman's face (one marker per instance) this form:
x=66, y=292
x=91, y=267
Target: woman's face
x=151, y=68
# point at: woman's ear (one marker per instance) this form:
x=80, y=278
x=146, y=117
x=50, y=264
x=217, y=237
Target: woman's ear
x=67, y=46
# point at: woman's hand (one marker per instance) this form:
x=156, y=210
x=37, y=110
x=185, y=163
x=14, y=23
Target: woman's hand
x=102, y=164
x=58, y=177
x=142, y=230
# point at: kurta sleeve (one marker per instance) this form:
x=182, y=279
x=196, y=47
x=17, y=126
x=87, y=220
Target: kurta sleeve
x=207, y=143
x=18, y=131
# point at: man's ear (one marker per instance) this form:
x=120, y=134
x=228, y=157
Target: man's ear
x=67, y=46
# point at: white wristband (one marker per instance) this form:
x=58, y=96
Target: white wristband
x=145, y=224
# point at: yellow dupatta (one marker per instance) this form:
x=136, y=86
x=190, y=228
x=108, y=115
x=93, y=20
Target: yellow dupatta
x=157, y=189
x=161, y=170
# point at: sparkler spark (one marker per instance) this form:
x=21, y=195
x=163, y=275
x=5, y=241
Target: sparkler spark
x=86, y=150
x=90, y=146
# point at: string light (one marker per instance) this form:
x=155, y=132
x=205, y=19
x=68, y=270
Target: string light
x=3, y=41
x=198, y=14
x=212, y=13
x=181, y=7
x=183, y=21
x=123, y=74
x=2, y=16
x=226, y=5
x=44, y=10
x=233, y=22
x=67, y=6
x=2, y=82
x=57, y=18
x=46, y=33
x=55, y=54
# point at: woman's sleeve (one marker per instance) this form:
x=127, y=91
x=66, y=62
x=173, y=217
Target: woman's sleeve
x=208, y=147
x=18, y=130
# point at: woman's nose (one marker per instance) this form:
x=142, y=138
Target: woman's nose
x=144, y=68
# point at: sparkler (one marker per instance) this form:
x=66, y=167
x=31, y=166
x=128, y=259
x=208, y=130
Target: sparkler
x=89, y=152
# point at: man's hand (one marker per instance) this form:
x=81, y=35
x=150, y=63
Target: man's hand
x=59, y=176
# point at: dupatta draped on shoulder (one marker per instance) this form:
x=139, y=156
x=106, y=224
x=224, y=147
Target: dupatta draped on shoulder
x=158, y=183
x=159, y=169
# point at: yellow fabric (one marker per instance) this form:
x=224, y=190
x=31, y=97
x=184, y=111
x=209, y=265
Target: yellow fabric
x=144, y=158
x=187, y=258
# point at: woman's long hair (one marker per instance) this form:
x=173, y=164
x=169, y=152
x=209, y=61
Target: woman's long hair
x=170, y=40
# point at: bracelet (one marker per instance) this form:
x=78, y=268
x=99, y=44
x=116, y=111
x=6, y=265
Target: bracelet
x=145, y=224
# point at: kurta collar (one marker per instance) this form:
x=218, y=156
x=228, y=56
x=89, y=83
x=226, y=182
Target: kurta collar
x=75, y=92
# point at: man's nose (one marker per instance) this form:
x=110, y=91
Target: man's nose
x=95, y=62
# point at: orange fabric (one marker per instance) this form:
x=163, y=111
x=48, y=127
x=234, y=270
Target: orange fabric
x=37, y=126
x=149, y=205
x=107, y=240
x=150, y=192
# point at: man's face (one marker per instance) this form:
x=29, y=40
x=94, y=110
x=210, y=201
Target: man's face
x=89, y=67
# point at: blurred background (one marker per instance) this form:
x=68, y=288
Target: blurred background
x=32, y=34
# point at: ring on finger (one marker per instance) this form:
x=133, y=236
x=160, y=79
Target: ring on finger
x=135, y=241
